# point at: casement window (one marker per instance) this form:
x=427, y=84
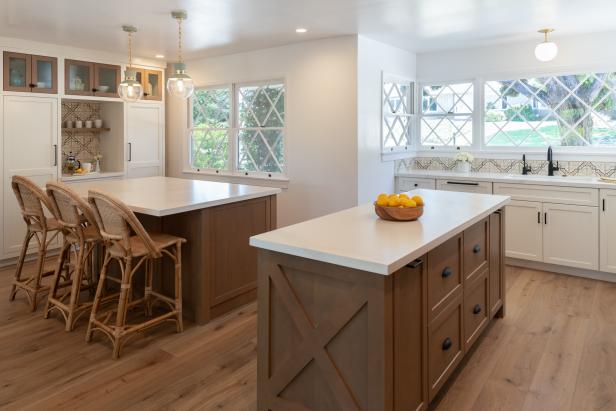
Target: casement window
x=564, y=110
x=398, y=109
x=239, y=129
x=446, y=115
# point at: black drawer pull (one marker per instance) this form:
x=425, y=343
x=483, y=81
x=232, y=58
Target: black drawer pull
x=447, y=272
x=460, y=183
x=477, y=248
x=447, y=344
x=477, y=309
x=415, y=263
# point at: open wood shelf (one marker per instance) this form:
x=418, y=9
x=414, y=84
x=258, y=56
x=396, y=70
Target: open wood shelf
x=92, y=129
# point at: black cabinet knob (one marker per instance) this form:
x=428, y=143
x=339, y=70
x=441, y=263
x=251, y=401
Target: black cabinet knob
x=32, y=85
x=477, y=248
x=447, y=272
x=94, y=90
x=447, y=344
x=477, y=309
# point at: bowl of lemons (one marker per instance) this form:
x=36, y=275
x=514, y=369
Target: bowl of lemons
x=399, y=207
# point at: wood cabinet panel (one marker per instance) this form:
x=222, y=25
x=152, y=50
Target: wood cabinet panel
x=152, y=85
x=475, y=249
x=476, y=313
x=410, y=339
x=497, y=263
x=445, y=345
x=444, y=274
x=44, y=74
x=30, y=73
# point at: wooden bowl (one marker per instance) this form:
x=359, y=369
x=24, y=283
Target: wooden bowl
x=397, y=213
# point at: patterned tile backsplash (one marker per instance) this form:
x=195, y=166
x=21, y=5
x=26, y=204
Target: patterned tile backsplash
x=491, y=165
x=82, y=143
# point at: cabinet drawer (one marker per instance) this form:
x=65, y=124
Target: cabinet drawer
x=481, y=187
x=445, y=345
x=549, y=194
x=475, y=249
x=475, y=308
x=411, y=183
x=444, y=274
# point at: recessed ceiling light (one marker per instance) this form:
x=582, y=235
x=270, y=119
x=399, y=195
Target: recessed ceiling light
x=301, y=30
x=159, y=56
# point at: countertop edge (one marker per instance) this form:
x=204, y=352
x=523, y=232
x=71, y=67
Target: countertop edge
x=372, y=267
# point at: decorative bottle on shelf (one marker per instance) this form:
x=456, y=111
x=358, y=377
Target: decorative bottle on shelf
x=72, y=164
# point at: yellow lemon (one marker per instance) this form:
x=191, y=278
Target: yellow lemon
x=382, y=195
x=393, y=201
x=403, y=196
x=408, y=203
x=382, y=201
x=418, y=200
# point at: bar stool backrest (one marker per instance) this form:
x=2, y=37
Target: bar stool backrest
x=115, y=221
x=70, y=209
x=32, y=201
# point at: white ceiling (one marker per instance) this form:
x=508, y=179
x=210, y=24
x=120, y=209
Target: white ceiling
x=224, y=26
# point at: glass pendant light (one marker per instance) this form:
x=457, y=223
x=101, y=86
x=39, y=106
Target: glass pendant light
x=179, y=84
x=130, y=90
x=547, y=50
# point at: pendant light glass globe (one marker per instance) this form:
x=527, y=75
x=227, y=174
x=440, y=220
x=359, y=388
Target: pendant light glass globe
x=130, y=90
x=179, y=84
x=547, y=50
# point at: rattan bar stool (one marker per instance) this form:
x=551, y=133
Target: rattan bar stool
x=81, y=237
x=132, y=251
x=33, y=202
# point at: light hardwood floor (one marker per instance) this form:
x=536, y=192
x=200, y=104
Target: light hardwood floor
x=555, y=350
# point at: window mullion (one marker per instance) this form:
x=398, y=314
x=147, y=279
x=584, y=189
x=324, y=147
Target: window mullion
x=234, y=130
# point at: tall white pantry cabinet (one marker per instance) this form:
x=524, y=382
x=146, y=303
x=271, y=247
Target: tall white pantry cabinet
x=31, y=140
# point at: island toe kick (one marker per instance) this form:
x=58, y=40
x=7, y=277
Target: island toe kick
x=333, y=337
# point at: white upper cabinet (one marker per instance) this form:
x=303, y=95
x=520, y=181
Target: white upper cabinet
x=607, y=218
x=523, y=230
x=30, y=135
x=145, y=140
x=570, y=235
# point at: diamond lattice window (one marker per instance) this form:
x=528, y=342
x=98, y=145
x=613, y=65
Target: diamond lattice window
x=261, y=128
x=397, y=113
x=567, y=110
x=211, y=127
x=239, y=128
x=447, y=115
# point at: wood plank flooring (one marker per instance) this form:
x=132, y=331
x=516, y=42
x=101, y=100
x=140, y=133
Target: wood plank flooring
x=555, y=350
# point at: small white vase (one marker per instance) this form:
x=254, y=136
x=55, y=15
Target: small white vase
x=463, y=167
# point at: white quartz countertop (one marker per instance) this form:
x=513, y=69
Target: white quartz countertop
x=568, y=181
x=358, y=239
x=161, y=196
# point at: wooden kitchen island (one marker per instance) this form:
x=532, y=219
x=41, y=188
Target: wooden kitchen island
x=360, y=313
x=219, y=268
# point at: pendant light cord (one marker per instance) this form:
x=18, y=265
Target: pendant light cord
x=180, y=39
x=130, y=50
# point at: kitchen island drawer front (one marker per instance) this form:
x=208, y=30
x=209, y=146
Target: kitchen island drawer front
x=476, y=310
x=411, y=183
x=445, y=345
x=475, y=249
x=444, y=274
x=480, y=187
x=549, y=194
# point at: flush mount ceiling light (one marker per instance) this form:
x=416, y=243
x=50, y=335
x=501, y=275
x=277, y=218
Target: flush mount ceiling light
x=179, y=83
x=130, y=89
x=301, y=30
x=547, y=50
x=160, y=56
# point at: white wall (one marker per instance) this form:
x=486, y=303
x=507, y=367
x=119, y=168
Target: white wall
x=321, y=120
x=580, y=52
x=374, y=58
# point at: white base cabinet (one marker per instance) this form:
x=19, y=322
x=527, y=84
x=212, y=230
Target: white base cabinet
x=524, y=230
x=607, y=231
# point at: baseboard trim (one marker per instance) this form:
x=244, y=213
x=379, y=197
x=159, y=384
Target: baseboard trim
x=559, y=269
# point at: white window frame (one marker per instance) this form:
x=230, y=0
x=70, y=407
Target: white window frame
x=605, y=153
x=402, y=151
x=234, y=135
x=473, y=116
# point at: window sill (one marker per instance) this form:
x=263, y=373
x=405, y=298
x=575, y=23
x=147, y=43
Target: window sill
x=534, y=153
x=240, y=178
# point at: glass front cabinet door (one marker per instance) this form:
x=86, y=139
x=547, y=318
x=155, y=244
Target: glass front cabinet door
x=106, y=80
x=28, y=73
x=152, y=85
x=78, y=77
